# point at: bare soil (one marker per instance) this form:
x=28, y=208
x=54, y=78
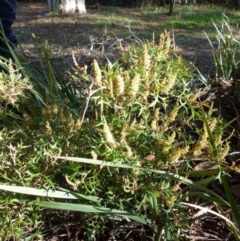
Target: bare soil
x=88, y=38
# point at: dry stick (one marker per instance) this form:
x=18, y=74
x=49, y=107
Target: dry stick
x=203, y=159
x=91, y=92
x=207, y=210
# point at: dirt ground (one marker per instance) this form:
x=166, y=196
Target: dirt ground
x=88, y=38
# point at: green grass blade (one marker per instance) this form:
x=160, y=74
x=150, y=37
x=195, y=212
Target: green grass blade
x=38, y=192
x=170, y=176
x=90, y=209
x=47, y=193
x=230, y=198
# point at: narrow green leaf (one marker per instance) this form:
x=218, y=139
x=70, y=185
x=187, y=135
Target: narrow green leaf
x=38, y=192
x=169, y=175
x=90, y=209
x=230, y=198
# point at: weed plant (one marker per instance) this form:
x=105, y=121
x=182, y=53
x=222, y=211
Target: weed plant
x=137, y=114
x=225, y=51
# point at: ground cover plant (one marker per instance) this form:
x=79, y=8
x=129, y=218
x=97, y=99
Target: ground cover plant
x=132, y=147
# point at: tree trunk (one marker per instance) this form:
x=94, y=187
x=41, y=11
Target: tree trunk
x=172, y=2
x=53, y=5
x=72, y=6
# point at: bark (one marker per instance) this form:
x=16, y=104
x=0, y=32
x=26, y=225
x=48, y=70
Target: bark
x=172, y=2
